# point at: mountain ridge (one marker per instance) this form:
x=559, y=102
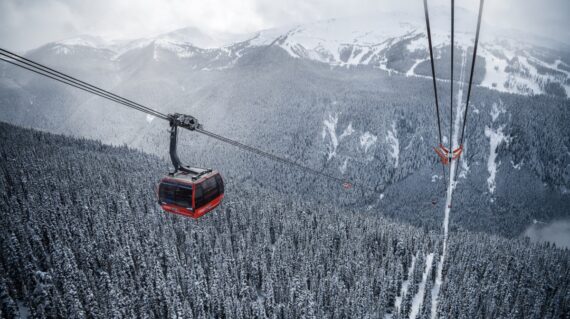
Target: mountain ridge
x=394, y=44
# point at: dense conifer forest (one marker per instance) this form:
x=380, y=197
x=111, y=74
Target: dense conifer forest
x=83, y=237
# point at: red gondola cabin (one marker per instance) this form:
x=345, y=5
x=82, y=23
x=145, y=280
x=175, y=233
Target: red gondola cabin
x=191, y=194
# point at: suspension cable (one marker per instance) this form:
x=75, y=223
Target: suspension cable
x=68, y=83
x=43, y=70
x=434, y=81
x=267, y=155
x=472, y=69
x=451, y=78
x=77, y=82
x=470, y=79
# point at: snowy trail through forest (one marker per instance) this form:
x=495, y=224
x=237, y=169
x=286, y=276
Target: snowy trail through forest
x=418, y=299
x=405, y=285
x=448, y=202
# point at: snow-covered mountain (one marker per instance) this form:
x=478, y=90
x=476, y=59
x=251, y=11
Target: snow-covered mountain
x=395, y=43
x=349, y=96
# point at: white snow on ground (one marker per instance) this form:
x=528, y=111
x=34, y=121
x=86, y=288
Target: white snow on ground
x=439, y=275
x=464, y=165
x=495, y=75
x=405, y=285
x=367, y=140
x=202, y=39
x=347, y=131
x=341, y=42
x=523, y=78
x=344, y=166
x=496, y=137
x=181, y=49
x=394, y=143
x=497, y=110
x=452, y=171
x=149, y=118
x=80, y=41
x=510, y=66
x=517, y=166
x=410, y=143
x=330, y=128
x=418, y=44
x=419, y=297
x=411, y=70
x=62, y=50
x=68, y=46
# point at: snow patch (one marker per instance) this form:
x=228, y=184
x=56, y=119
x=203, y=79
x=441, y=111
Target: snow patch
x=62, y=50
x=496, y=137
x=418, y=44
x=330, y=128
x=511, y=67
x=367, y=140
x=149, y=118
x=394, y=143
x=464, y=167
x=405, y=285
x=347, y=131
x=182, y=50
x=517, y=166
x=344, y=166
x=497, y=110
x=419, y=297
x=339, y=42
x=85, y=41
x=495, y=75
x=411, y=70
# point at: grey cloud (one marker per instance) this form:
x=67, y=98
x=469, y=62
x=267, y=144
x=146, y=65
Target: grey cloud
x=557, y=233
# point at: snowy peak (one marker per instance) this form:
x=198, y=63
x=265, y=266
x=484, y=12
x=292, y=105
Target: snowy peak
x=393, y=42
x=200, y=39
x=83, y=40
x=343, y=42
x=77, y=45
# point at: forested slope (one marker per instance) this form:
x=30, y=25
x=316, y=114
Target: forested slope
x=82, y=236
x=370, y=126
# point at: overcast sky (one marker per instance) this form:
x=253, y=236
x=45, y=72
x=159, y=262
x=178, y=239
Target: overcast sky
x=26, y=24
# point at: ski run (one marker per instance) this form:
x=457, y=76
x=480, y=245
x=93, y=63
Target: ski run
x=420, y=295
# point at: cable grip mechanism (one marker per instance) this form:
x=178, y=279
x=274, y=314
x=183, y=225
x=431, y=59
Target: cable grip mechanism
x=190, y=123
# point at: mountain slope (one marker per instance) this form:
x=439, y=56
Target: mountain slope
x=82, y=236
x=394, y=42
x=364, y=124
